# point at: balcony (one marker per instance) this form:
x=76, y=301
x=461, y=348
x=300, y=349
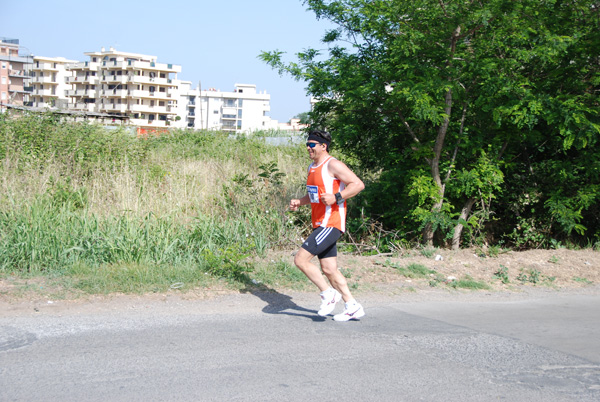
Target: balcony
x=44, y=92
x=81, y=92
x=147, y=109
x=86, y=65
x=18, y=74
x=122, y=79
x=138, y=79
x=150, y=95
x=115, y=93
x=91, y=80
x=113, y=108
x=115, y=64
x=146, y=65
x=44, y=80
x=44, y=67
x=84, y=107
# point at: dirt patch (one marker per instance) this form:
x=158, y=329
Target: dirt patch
x=507, y=270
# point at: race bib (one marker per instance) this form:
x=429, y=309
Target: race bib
x=313, y=194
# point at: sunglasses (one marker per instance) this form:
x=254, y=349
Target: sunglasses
x=312, y=144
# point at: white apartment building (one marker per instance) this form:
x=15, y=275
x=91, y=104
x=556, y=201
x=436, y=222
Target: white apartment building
x=126, y=84
x=241, y=110
x=49, y=81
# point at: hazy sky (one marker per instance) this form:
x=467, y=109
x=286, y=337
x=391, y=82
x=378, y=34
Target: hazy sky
x=216, y=42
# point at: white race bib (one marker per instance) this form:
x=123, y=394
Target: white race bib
x=313, y=194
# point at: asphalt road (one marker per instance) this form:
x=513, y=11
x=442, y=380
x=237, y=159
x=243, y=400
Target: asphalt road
x=273, y=347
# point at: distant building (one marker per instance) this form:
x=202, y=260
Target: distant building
x=49, y=81
x=241, y=110
x=126, y=84
x=133, y=88
x=13, y=73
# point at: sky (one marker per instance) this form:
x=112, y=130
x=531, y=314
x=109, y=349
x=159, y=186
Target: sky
x=216, y=43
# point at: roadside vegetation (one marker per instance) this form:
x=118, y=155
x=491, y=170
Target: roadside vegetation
x=84, y=210
x=103, y=211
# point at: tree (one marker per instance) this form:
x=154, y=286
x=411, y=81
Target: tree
x=303, y=117
x=451, y=99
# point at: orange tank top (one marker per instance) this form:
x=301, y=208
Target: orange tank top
x=320, y=182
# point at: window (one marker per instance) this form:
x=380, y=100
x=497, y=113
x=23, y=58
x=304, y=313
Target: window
x=3, y=95
x=4, y=65
x=3, y=80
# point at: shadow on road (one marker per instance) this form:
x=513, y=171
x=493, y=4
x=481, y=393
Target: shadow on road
x=278, y=303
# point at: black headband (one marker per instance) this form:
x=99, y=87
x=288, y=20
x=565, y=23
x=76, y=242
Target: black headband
x=320, y=140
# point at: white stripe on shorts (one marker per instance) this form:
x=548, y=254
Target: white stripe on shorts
x=323, y=235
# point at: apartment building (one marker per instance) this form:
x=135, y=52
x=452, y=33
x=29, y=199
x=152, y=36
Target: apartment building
x=49, y=82
x=241, y=110
x=131, y=85
x=13, y=73
x=126, y=84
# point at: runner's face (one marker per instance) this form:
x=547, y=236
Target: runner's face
x=314, y=150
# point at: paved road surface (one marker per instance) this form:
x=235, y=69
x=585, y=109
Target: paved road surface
x=273, y=347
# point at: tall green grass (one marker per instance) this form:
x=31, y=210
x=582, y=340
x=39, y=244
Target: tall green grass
x=114, y=212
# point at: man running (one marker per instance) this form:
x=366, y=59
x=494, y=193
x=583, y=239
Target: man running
x=330, y=183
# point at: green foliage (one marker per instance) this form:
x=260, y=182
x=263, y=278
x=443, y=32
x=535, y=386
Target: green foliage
x=79, y=147
x=468, y=283
x=502, y=274
x=534, y=276
x=491, y=105
x=57, y=229
x=410, y=271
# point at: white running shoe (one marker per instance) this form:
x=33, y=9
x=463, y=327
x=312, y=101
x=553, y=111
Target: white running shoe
x=328, y=302
x=351, y=312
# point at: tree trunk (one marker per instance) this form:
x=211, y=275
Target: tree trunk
x=464, y=214
x=428, y=231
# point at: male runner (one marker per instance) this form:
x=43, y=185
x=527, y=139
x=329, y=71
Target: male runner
x=330, y=183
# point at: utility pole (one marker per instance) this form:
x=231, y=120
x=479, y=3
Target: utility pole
x=200, y=103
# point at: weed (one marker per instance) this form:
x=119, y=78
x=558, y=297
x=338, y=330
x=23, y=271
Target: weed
x=502, y=274
x=428, y=252
x=346, y=272
x=554, y=259
x=534, y=276
x=468, y=282
x=412, y=270
x=584, y=281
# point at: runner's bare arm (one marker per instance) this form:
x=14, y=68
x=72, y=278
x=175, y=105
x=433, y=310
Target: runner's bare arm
x=354, y=185
x=295, y=203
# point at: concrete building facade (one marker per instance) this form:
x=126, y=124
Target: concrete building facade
x=14, y=75
x=126, y=84
x=50, y=82
x=241, y=110
x=133, y=86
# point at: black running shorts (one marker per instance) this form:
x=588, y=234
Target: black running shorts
x=322, y=242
